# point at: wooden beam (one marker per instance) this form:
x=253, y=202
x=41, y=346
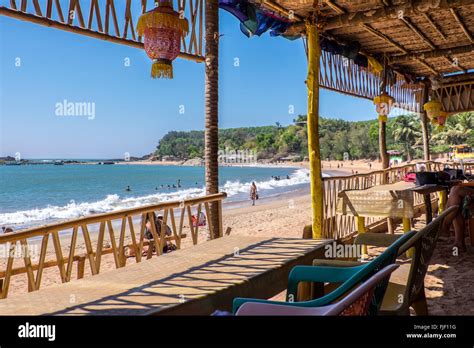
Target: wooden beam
x=383, y=37
x=338, y=9
x=462, y=25
x=432, y=54
x=427, y=66
x=455, y=64
x=412, y=27
x=409, y=8
x=282, y=11
x=434, y=26
x=83, y=31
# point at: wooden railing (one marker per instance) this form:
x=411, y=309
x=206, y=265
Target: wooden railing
x=338, y=226
x=110, y=20
x=27, y=252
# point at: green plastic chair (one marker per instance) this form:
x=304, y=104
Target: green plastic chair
x=406, y=287
x=350, y=277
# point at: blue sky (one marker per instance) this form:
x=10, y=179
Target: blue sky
x=133, y=111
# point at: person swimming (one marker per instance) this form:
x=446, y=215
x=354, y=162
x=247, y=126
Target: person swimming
x=128, y=188
x=7, y=229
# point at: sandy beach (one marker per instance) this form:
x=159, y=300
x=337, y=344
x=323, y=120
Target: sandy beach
x=341, y=167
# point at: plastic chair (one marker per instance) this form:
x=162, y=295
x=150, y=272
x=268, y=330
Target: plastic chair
x=350, y=277
x=356, y=303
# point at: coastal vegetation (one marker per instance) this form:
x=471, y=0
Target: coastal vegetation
x=359, y=139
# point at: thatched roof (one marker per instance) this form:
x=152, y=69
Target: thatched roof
x=397, y=29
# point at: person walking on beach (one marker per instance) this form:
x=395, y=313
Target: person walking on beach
x=253, y=193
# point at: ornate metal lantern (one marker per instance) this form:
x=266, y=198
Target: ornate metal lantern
x=383, y=104
x=162, y=29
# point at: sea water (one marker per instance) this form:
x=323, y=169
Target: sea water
x=32, y=195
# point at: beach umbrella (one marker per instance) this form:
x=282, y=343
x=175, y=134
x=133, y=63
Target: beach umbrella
x=162, y=29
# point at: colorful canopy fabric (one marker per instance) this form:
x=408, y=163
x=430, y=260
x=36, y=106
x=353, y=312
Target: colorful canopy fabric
x=254, y=21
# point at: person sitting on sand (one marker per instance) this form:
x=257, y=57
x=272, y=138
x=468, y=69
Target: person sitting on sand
x=253, y=192
x=461, y=196
x=148, y=237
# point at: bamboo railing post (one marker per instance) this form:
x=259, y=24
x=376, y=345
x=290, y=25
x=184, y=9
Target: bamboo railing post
x=312, y=84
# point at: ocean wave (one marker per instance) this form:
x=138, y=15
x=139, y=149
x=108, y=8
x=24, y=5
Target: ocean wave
x=114, y=202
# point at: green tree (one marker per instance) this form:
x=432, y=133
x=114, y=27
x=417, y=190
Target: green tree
x=406, y=131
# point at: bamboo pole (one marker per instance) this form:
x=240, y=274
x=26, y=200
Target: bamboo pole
x=313, y=130
x=383, y=126
x=424, y=124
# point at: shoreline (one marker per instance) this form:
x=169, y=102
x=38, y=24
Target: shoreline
x=238, y=219
x=234, y=200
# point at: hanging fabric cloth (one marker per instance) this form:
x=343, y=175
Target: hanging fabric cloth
x=237, y=8
x=374, y=64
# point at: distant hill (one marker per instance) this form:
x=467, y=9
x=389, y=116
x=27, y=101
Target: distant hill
x=276, y=142
x=359, y=138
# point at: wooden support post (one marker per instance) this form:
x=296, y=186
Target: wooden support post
x=312, y=83
x=211, y=133
x=383, y=127
x=407, y=228
x=442, y=201
x=383, y=146
x=424, y=124
x=360, y=220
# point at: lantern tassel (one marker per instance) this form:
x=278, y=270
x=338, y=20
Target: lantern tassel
x=162, y=70
x=162, y=20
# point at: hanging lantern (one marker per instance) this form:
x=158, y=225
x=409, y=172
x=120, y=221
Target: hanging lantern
x=162, y=29
x=383, y=104
x=434, y=111
x=441, y=120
